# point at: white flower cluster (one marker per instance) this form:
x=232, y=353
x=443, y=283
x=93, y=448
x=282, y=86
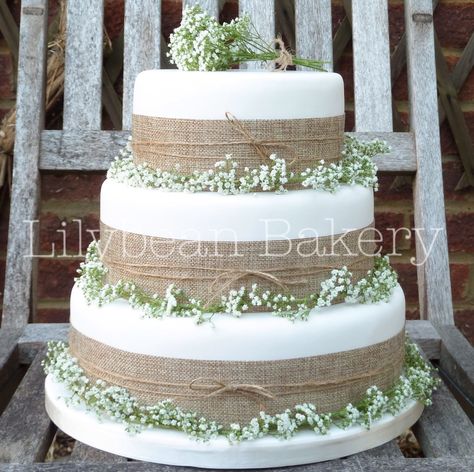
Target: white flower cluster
x=201, y=43
x=355, y=168
x=377, y=286
x=116, y=403
x=224, y=178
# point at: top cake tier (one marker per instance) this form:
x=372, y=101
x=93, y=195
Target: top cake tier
x=194, y=119
x=248, y=95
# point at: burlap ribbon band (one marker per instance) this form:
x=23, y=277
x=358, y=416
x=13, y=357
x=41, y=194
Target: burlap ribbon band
x=207, y=269
x=196, y=145
x=235, y=391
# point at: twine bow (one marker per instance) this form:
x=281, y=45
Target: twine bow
x=259, y=147
x=285, y=58
x=215, y=388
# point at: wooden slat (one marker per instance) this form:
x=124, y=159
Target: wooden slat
x=449, y=101
x=457, y=359
x=464, y=65
x=461, y=71
x=353, y=464
x=8, y=353
x=35, y=335
x=426, y=336
x=433, y=276
x=83, y=66
x=142, y=47
x=83, y=453
x=62, y=150
x=210, y=6
x=25, y=192
x=26, y=431
x=444, y=429
x=343, y=33
x=94, y=150
x=387, y=450
x=372, y=88
x=9, y=29
x=313, y=30
x=262, y=14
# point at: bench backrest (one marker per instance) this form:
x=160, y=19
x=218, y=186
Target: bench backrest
x=82, y=145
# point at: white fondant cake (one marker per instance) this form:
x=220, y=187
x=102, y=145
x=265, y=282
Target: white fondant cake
x=208, y=216
x=334, y=331
x=331, y=329
x=248, y=95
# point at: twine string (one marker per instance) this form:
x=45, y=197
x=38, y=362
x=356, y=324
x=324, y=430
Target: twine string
x=285, y=58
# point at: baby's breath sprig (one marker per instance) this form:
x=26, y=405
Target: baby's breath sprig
x=377, y=286
x=417, y=382
x=355, y=168
x=201, y=43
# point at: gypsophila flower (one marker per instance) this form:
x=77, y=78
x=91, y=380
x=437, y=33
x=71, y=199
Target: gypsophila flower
x=376, y=286
x=107, y=401
x=355, y=168
x=200, y=43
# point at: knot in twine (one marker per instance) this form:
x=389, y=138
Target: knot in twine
x=285, y=58
x=214, y=388
x=259, y=147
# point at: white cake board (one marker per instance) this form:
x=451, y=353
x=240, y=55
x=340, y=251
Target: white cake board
x=175, y=448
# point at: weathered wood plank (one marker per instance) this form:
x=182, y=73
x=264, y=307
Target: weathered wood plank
x=464, y=65
x=83, y=66
x=36, y=335
x=262, y=14
x=426, y=336
x=457, y=359
x=142, y=47
x=210, y=6
x=83, y=453
x=313, y=30
x=353, y=464
x=25, y=192
x=444, y=429
x=341, y=39
x=372, y=88
x=8, y=353
x=449, y=101
x=387, y=450
x=26, y=431
x=9, y=29
x=433, y=276
x=94, y=150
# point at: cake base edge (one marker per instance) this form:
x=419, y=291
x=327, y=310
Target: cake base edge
x=175, y=448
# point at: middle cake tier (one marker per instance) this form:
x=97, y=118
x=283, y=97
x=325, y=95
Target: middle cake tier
x=208, y=244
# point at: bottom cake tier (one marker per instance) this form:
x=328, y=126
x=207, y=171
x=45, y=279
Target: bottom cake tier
x=176, y=448
x=255, y=391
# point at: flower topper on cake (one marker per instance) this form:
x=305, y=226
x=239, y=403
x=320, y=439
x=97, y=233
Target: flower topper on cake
x=201, y=43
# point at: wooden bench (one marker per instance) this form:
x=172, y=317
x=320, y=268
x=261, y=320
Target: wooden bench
x=445, y=431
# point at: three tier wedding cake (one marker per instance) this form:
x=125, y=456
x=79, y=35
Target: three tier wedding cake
x=235, y=312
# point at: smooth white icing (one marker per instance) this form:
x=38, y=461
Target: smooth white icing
x=209, y=216
x=175, y=448
x=257, y=336
x=246, y=94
